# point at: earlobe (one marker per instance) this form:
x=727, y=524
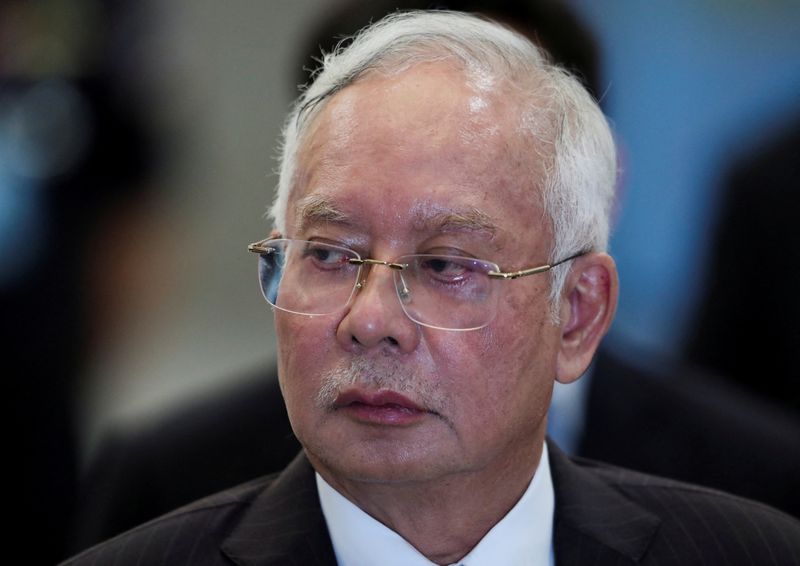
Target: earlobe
x=589, y=303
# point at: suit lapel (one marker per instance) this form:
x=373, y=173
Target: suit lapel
x=284, y=525
x=595, y=523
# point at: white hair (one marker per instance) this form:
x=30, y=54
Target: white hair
x=579, y=155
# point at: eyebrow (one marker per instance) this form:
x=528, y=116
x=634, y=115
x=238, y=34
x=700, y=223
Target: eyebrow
x=318, y=209
x=469, y=219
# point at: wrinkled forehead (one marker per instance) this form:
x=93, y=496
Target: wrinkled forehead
x=437, y=120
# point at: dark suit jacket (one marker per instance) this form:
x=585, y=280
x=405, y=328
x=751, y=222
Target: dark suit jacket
x=684, y=424
x=604, y=515
x=189, y=453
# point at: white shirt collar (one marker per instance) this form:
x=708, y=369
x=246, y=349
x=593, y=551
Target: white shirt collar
x=524, y=537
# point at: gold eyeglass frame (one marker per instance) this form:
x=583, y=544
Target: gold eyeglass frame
x=260, y=248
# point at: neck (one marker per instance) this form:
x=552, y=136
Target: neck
x=443, y=518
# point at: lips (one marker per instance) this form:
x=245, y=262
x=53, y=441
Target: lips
x=379, y=407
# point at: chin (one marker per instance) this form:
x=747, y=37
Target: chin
x=383, y=462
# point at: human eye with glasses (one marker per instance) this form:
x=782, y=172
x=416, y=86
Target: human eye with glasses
x=326, y=258
x=450, y=276
x=444, y=269
x=441, y=291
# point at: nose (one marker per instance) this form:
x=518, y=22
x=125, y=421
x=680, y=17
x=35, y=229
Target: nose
x=375, y=317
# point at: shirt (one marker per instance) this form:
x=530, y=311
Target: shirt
x=524, y=537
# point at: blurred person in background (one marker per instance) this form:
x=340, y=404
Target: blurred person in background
x=76, y=159
x=746, y=326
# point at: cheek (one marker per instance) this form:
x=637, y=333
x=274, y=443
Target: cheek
x=519, y=352
x=304, y=344
x=498, y=393
x=485, y=370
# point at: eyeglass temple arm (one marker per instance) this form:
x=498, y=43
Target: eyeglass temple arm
x=260, y=247
x=532, y=270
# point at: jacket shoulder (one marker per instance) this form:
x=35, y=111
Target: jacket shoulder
x=189, y=535
x=698, y=525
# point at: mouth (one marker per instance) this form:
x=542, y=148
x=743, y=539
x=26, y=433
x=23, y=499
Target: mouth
x=386, y=408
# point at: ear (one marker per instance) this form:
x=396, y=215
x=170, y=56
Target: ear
x=588, y=302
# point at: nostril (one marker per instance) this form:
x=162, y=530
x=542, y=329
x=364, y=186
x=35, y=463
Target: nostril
x=392, y=341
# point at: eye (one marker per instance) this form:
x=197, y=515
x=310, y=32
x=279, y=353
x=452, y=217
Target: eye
x=445, y=268
x=327, y=257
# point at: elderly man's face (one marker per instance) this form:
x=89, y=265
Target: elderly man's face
x=393, y=166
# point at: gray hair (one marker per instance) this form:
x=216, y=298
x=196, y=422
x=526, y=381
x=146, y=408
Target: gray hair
x=580, y=171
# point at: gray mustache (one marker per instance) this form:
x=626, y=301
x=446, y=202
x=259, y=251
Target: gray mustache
x=382, y=374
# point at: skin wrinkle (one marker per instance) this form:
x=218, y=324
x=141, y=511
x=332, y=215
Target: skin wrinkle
x=314, y=210
x=442, y=219
x=317, y=209
x=534, y=125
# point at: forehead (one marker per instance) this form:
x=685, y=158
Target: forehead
x=423, y=143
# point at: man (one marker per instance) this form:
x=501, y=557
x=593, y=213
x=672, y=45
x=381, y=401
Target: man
x=437, y=263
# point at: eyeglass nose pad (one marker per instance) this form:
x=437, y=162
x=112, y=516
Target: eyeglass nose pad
x=363, y=273
x=402, y=290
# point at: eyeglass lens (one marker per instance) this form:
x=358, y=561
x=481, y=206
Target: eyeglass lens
x=315, y=278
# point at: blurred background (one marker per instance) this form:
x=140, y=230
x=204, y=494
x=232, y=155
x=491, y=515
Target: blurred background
x=137, y=144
